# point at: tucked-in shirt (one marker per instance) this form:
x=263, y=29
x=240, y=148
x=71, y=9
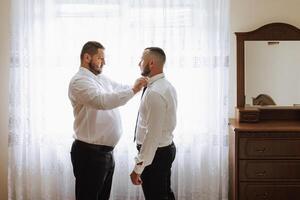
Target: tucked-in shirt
x=95, y=100
x=157, y=120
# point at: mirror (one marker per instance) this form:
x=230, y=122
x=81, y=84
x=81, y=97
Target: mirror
x=272, y=71
x=258, y=54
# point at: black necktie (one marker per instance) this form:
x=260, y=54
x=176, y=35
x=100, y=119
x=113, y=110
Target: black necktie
x=137, y=118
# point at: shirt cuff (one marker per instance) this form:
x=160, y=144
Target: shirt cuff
x=139, y=165
x=139, y=168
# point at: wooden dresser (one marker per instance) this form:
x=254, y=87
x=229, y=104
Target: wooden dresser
x=264, y=140
x=264, y=160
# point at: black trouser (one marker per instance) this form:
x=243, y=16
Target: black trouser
x=157, y=176
x=93, y=167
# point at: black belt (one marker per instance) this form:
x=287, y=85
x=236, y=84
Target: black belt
x=96, y=147
x=139, y=146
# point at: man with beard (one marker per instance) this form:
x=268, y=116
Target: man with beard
x=154, y=129
x=97, y=123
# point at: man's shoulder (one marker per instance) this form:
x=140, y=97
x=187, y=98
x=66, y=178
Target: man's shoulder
x=161, y=86
x=80, y=78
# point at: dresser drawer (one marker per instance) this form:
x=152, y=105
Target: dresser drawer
x=259, y=191
x=274, y=148
x=269, y=170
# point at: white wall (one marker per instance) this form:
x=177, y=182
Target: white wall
x=247, y=15
x=4, y=63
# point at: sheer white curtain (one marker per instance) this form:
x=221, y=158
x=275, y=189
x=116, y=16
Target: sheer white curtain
x=46, y=39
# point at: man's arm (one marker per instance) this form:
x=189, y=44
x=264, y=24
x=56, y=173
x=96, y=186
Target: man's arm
x=119, y=87
x=154, y=121
x=86, y=92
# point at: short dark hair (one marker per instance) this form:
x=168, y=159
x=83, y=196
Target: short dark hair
x=91, y=48
x=158, y=52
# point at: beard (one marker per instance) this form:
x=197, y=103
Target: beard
x=94, y=68
x=146, y=71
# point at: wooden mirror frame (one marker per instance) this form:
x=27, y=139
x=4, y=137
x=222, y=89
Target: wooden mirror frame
x=273, y=31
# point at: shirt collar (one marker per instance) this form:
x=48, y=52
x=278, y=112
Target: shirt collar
x=155, y=78
x=87, y=72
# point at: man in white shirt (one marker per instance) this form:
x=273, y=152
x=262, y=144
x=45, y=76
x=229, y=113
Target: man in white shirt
x=154, y=130
x=97, y=123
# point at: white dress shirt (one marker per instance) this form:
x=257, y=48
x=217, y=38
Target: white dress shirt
x=95, y=100
x=157, y=120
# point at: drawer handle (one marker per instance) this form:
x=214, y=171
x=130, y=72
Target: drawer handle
x=261, y=150
x=263, y=196
x=263, y=173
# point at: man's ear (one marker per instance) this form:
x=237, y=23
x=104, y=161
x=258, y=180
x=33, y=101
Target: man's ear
x=151, y=63
x=87, y=57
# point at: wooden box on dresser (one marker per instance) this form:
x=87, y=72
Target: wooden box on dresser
x=264, y=160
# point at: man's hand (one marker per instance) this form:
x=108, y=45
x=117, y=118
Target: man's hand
x=135, y=178
x=139, y=84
